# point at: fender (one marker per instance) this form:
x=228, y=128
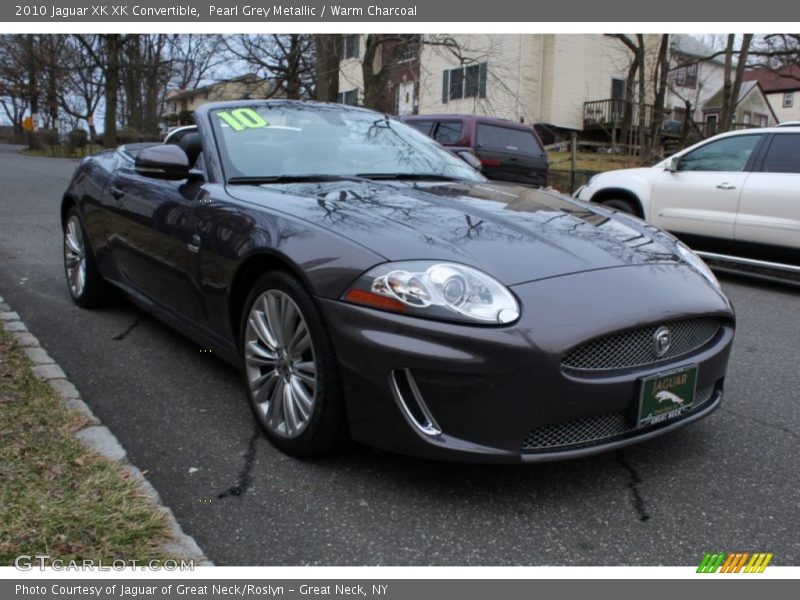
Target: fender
x=631, y=184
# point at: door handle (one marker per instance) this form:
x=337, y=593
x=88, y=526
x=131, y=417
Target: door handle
x=194, y=244
x=117, y=193
x=726, y=186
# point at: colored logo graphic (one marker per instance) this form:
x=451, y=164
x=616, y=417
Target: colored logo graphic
x=740, y=562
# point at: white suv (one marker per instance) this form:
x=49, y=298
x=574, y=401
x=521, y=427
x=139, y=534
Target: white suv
x=735, y=198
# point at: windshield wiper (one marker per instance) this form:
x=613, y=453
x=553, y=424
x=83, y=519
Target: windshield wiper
x=408, y=176
x=260, y=180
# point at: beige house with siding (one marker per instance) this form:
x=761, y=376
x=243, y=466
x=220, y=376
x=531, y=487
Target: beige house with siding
x=531, y=78
x=752, y=109
x=782, y=89
x=177, y=102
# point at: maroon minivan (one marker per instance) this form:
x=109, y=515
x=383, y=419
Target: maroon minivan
x=508, y=151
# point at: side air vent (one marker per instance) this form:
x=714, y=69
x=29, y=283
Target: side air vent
x=411, y=402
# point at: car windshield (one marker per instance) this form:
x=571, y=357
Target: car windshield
x=294, y=140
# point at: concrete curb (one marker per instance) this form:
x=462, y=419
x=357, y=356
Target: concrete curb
x=95, y=436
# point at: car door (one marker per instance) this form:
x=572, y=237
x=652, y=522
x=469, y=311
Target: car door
x=150, y=241
x=769, y=210
x=700, y=199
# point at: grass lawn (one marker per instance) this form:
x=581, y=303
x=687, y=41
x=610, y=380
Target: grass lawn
x=591, y=161
x=57, y=497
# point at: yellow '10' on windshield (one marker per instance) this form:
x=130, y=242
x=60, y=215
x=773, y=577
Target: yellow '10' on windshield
x=242, y=118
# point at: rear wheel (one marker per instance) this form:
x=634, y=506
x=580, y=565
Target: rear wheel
x=290, y=370
x=86, y=286
x=625, y=206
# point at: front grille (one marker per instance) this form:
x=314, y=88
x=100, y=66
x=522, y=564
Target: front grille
x=636, y=347
x=593, y=430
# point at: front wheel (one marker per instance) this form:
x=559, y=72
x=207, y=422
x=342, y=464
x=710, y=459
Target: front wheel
x=86, y=286
x=290, y=369
x=621, y=205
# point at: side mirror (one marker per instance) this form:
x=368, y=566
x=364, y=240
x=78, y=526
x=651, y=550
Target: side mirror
x=674, y=164
x=163, y=162
x=470, y=159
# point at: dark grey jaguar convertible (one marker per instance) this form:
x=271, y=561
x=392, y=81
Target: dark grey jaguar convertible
x=371, y=285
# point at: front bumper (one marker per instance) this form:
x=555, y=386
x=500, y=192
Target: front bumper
x=489, y=388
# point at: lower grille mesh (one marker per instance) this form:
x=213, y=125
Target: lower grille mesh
x=593, y=429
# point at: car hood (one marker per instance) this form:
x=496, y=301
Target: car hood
x=515, y=233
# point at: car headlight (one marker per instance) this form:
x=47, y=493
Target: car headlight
x=436, y=290
x=694, y=261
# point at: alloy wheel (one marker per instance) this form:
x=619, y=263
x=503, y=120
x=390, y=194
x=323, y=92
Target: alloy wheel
x=75, y=257
x=280, y=364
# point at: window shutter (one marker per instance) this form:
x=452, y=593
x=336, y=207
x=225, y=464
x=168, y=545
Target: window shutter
x=482, y=80
x=445, y=85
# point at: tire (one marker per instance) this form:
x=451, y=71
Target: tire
x=621, y=205
x=290, y=372
x=86, y=286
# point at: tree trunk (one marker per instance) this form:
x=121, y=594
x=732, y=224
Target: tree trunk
x=731, y=89
x=328, y=49
x=725, y=112
x=630, y=93
x=112, y=84
x=371, y=78
x=293, y=83
x=643, y=155
x=660, y=82
x=33, y=92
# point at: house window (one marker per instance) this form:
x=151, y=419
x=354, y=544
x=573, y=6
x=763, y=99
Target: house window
x=350, y=46
x=174, y=107
x=349, y=97
x=761, y=120
x=788, y=99
x=686, y=76
x=464, y=82
x=407, y=50
x=746, y=118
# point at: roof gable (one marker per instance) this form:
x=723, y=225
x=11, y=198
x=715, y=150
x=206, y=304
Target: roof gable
x=782, y=80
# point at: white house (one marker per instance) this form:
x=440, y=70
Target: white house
x=695, y=76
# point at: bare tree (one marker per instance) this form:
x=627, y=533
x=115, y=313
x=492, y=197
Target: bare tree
x=328, y=49
x=287, y=61
x=777, y=51
x=637, y=72
x=145, y=72
x=106, y=57
x=14, y=88
x=83, y=83
x=193, y=58
x=381, y=55
x=731, y=88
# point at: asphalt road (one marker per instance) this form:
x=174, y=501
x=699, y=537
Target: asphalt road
x=727, y=483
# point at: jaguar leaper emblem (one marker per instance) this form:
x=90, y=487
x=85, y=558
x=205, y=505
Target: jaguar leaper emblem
x=665, y=396
x=662, y=340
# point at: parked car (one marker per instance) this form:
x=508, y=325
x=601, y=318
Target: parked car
x=508, y=151
x=369, y=284
x=789, y=124
x=735, y=198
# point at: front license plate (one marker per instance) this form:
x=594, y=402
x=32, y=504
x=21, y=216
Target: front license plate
x=666, y=395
